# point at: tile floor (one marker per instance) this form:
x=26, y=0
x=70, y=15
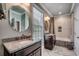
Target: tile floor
x=58, y=51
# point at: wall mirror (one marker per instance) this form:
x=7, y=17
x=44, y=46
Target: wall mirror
x=18, y=18
x=46, y=23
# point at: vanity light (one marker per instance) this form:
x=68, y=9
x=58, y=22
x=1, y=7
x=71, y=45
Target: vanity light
x=47, y=18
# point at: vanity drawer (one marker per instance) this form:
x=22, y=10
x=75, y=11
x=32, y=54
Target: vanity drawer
x=28, y=50
x=36, y=52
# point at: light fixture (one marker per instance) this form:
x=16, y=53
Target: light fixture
x=47, y=18
x=59, y=13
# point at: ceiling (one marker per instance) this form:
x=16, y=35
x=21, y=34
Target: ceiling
x=57, y=8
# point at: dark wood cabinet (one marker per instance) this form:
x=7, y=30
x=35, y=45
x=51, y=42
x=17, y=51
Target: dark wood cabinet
x=36, y=52
x=49, y=41
x=32, y=50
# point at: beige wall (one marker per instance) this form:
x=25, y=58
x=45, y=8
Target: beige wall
x=65, y=23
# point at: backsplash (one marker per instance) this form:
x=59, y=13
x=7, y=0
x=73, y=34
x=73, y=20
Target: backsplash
x=23, y=37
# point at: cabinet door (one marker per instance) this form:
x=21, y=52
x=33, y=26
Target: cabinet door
x=37, y=52
x=28, y=50
x=32, y=54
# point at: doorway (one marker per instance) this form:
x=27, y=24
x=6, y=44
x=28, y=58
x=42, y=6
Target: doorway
x=18, y=25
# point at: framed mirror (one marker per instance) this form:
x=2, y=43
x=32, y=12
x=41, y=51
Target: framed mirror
x=46, y=23
x=18, y=18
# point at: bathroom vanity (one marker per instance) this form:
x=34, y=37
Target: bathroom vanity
x=22, y=48
x=49, y=41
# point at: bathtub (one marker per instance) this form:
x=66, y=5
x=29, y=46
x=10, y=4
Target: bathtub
x=64, y=42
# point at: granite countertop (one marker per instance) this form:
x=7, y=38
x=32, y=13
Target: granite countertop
x=14, y=46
